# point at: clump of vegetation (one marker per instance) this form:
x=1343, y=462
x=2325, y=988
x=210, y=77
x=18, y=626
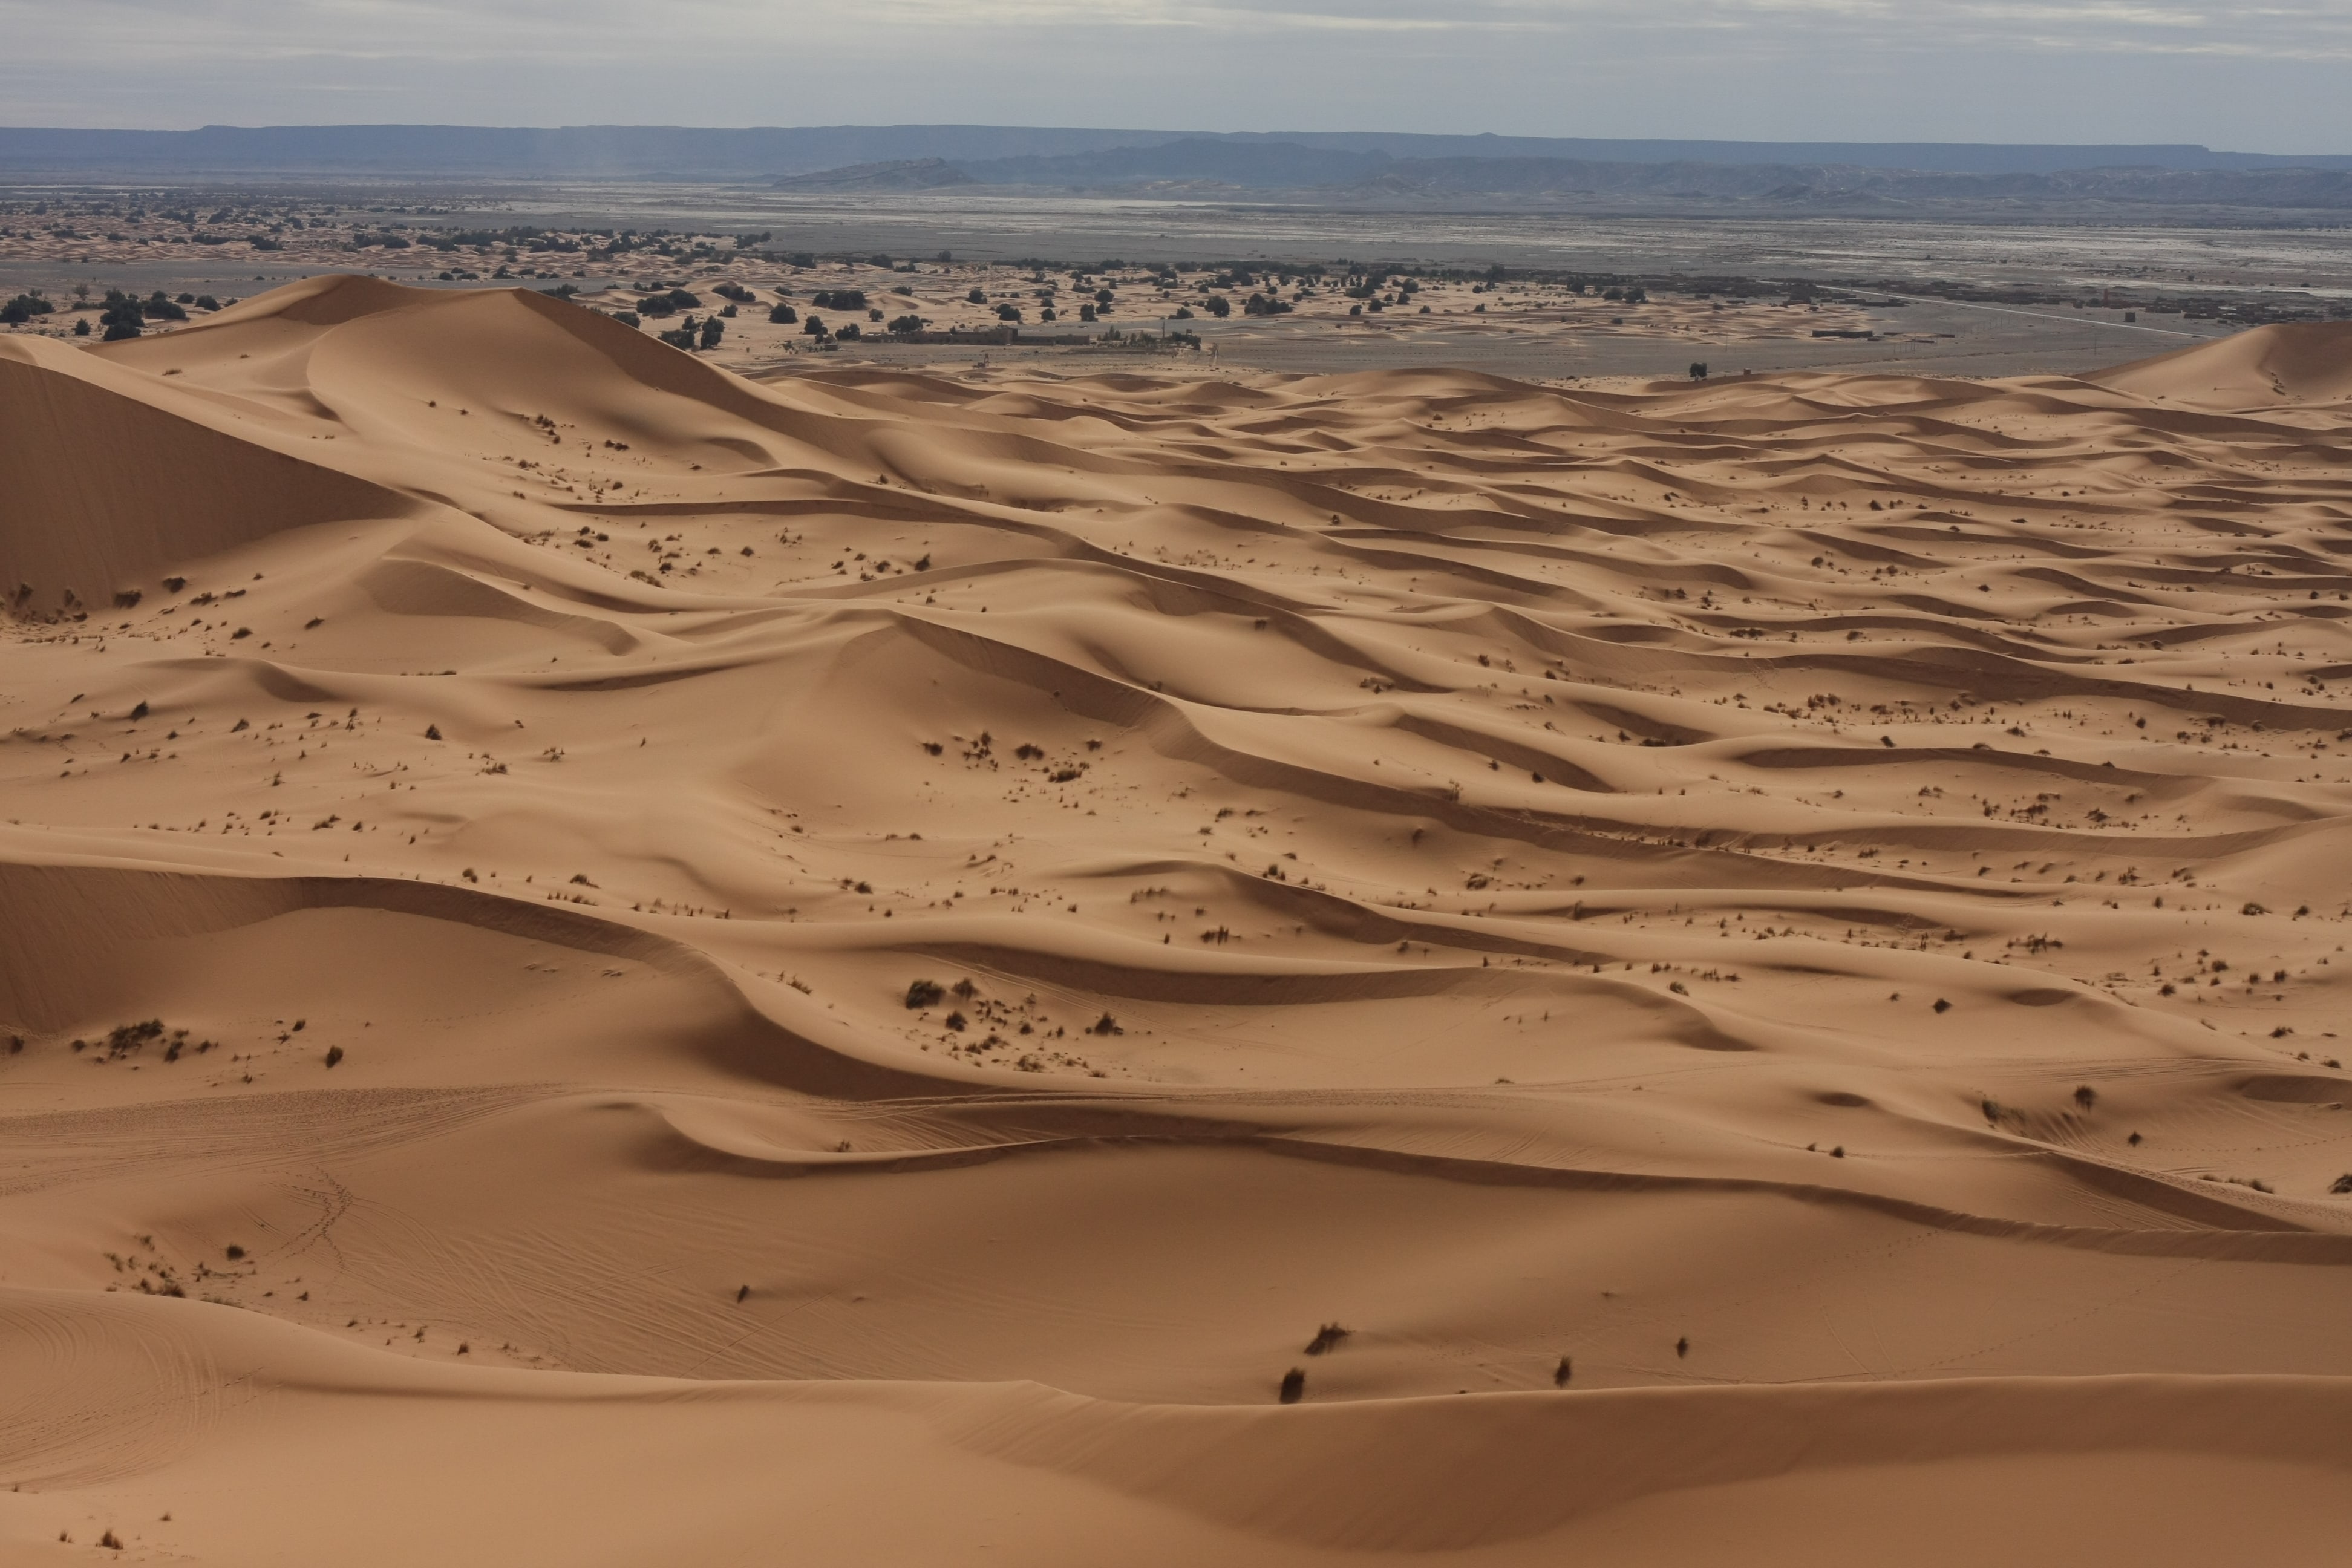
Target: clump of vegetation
x=1562, y=1372
x=1327, y=1338
x=334, y=1054
x=1294, y=1385
x=923, y=994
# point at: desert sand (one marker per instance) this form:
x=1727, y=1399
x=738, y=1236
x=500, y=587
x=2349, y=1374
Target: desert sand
x=605, y=963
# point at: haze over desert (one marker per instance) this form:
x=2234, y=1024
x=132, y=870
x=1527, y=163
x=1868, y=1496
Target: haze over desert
x=961, y=843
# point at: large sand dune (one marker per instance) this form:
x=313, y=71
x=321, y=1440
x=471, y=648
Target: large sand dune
x=853, y=968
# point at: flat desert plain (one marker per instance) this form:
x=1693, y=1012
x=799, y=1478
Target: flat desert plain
x=603, y=963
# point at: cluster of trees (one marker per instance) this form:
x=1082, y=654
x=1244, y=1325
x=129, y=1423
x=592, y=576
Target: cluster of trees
x=669, y=304
x=127, y=315
x=691, y=335
x=842, y=298
x=22, y=309
x=124, y=317
x=733, y=290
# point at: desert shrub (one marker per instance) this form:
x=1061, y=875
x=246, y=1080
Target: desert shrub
x=334, y=1054
x=1327, y=1338
x=839, y=299
x=1562, y=1372
x=628, y=317
x=924, y=993
x=976, y=297
x=908, y=324
x=782, y=315
x=849, y=330
x=22, y=309
x=1293, y=1384
x=713, y=328
x=735, y=291
x=1008, y=312
x=813, y=327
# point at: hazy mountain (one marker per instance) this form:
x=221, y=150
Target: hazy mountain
x=1034, y=154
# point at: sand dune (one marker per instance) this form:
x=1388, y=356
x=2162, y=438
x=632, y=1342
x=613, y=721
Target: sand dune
x=872, y=956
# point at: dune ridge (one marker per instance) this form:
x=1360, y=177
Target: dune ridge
x=1783, y=935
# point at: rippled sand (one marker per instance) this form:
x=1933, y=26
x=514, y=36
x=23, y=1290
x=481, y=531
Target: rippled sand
x=856, y=968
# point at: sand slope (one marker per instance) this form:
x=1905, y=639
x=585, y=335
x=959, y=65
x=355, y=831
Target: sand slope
x=926, y=935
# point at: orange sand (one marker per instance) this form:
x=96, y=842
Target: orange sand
x=1819, y=899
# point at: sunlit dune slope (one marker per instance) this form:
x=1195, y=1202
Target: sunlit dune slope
x=1790, y=930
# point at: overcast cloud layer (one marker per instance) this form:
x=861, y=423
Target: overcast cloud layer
x=2252, y=78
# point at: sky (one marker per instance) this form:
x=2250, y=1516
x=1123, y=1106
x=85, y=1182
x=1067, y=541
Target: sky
x=2272, y=77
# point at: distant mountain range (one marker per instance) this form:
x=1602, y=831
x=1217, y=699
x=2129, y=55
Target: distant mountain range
x=1021, y=155
x=1197, y=164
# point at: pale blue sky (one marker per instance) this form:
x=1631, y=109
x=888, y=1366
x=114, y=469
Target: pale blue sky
x=2274, y=77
